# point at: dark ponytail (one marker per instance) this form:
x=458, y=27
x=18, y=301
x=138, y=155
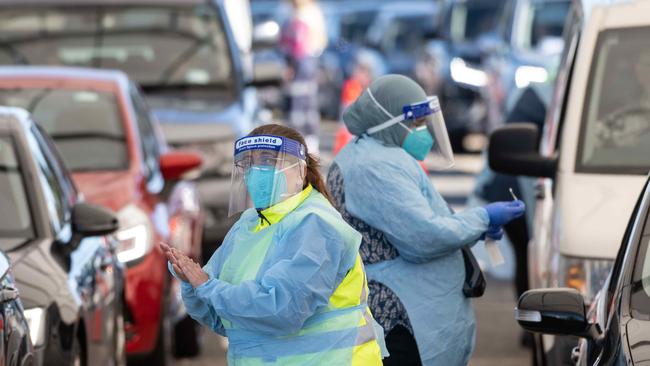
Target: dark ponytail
x=313, y=164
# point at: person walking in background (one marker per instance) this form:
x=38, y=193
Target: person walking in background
x=304, y=38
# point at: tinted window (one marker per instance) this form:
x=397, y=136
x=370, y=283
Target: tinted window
x=154, y=45
x=615, y=136
x=407, y=34
x=546, y=20
x=85, y=125
x=150, y=149
x=53, y=192
x=354, y=26
x=469, y=21
x=150, y=146
x=15, y=219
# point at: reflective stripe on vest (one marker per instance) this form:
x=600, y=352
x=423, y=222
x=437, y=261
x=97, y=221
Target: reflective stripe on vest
x=346, y=314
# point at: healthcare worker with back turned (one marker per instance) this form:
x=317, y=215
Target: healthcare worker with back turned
x=287, y=286
x=412, y=241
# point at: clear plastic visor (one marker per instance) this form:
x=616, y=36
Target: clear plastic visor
x=419, y=116
x=262, y=178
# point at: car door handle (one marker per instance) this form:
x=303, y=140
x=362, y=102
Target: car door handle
x=8, y=294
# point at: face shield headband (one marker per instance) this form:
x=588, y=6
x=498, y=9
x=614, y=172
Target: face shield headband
x=427, y=131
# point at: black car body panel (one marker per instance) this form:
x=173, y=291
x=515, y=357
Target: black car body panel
x=16, y=348
x=71, y=286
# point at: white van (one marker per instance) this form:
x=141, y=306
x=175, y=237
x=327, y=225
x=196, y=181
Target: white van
x=594, y=153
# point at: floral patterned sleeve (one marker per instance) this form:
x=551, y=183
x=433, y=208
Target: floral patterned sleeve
x=384, y=304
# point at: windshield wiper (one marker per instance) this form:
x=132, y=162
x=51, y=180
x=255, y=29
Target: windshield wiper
x=9, y=169
x=18, y=57
x=85, y=135
x=157, y=87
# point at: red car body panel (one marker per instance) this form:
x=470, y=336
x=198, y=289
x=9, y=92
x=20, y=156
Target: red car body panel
x=147, y=279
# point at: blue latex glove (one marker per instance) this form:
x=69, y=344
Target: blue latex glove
x=501, y=213
x=494, y=233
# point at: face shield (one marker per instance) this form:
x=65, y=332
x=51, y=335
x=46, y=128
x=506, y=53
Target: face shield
x=426, y=131
x=267, y=170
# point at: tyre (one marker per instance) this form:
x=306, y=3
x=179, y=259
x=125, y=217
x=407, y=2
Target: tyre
x=187, y=338
x=77, y=356
x=161, y=355
x=119, y=341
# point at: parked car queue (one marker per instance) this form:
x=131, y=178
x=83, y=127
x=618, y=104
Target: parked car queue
x=101, y=129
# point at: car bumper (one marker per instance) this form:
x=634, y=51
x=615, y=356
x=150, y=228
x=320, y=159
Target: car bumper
x=144, y=292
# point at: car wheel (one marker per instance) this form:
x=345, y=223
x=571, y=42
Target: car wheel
x=536, y=351
x=162, y=355
x=119, y=341
x=77, y=355
x=187, y=338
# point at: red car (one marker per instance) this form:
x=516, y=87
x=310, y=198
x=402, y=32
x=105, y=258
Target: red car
x=102, y=127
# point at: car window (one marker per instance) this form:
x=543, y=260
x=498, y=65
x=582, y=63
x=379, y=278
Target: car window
x=148, y=140
x=15, y=217
x=354, y=26
x=615, y=131
x=407, y=34
x=545, y=20
x=640, y=298
x=155, y=45
x=468, y=21
x=57, y=165
x=57, y=207
x=558, y=107
x=86, y=125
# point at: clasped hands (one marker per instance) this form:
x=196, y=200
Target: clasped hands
x=186, y=269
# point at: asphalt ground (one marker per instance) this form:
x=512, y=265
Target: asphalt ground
x=498, y=335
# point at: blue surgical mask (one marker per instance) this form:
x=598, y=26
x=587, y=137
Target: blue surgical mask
x=418, y=142
x=266, y=185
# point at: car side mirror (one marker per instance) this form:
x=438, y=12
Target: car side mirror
x=92, y=220
x=175, y=164
x=513, y=150
x=266, y=35
x=558, y=311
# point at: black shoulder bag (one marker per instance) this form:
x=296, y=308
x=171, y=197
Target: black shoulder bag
x=475, y=283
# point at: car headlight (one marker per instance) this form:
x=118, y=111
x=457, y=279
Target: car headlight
x=464, y=74
x=584, y=275
x=36, y=318
x=135, y=235
x=524, y=75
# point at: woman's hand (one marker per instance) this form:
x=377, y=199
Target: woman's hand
x=193, y=271
x=173, y=258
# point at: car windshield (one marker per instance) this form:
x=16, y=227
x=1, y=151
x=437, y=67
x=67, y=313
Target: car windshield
x=85, y=125
x=545, y=21
x=354, y=26
x=469, y=21
x=407, y=34
x=155, y=45
x=615, y=136
x=15, y=218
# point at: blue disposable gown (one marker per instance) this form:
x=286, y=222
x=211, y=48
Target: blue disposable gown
x=304, y=264
x=387, y=189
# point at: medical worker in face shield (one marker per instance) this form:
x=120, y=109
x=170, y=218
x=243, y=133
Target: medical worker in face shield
x=412, y=241
x=287, y=286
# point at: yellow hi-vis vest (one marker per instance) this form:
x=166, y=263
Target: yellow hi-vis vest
x=341, y=333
